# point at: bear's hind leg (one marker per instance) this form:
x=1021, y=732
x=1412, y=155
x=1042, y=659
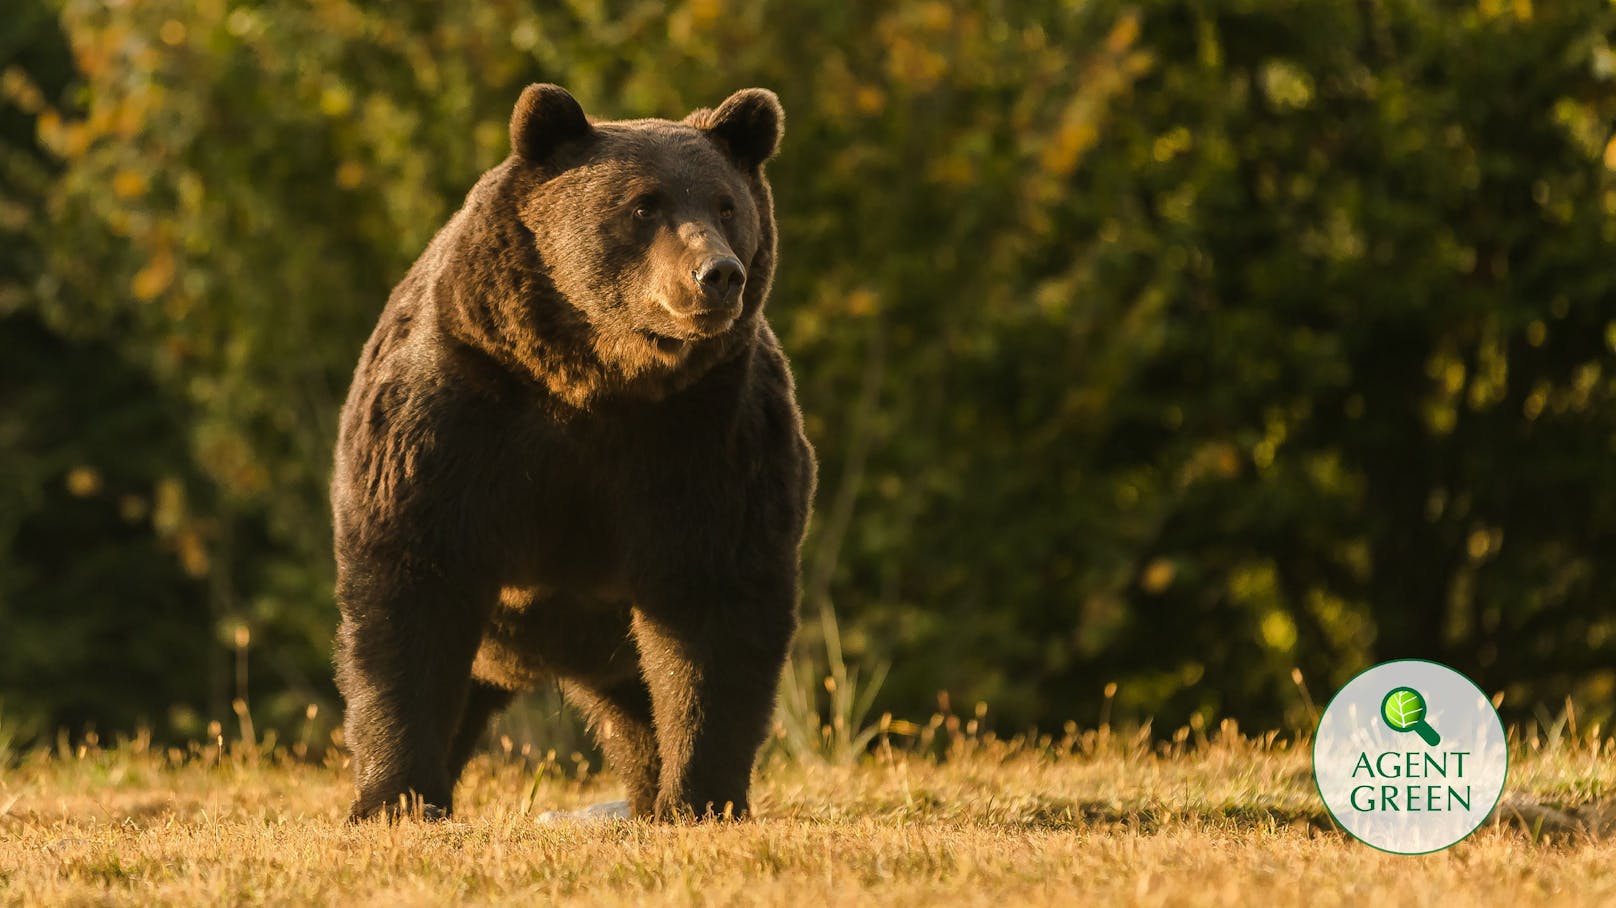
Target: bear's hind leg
x=483, y=702
x=620, y=715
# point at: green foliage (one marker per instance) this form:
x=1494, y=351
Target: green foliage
x=1173, y=345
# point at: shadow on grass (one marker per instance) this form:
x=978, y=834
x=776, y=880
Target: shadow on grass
x=1540, y=822
x=1094, y=816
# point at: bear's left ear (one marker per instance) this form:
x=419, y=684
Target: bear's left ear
x=748, y=124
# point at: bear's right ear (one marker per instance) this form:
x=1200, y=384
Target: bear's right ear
x=546, y=117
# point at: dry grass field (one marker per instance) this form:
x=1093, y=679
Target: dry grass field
x=1092, y=818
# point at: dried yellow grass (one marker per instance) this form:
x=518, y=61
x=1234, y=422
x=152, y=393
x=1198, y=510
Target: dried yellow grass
x=1230, y=821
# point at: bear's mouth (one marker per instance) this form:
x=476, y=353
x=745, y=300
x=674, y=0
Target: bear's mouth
x=702, y=326
x=663, y=343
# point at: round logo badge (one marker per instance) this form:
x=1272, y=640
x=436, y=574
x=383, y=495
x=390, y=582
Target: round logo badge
x=1410, y=757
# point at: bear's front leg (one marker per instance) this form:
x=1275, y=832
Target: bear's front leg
x=404, y=654
x=712, y=659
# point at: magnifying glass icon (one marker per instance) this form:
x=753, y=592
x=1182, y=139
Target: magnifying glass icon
x=1404, y=710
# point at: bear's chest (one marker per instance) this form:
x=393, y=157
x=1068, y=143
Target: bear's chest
x=591, y=506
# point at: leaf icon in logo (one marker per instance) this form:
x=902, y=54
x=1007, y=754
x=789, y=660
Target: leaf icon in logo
x=1404, y=710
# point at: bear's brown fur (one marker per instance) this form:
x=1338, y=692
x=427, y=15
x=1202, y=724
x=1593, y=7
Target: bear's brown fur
x=572, y=451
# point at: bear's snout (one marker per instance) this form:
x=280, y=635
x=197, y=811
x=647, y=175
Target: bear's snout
x=720, y=280
x=711, y=300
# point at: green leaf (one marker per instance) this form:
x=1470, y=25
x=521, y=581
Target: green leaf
x=1403, y=709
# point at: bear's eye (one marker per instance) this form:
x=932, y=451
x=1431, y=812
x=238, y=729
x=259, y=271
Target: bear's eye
x=645, y=209
x=726, y=211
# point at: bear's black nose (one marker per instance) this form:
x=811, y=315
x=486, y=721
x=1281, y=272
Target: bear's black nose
x=720, y=277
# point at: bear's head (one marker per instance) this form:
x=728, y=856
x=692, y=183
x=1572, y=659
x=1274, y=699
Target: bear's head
x=658, y=235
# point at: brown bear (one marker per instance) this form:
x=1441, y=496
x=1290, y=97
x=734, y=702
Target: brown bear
x=572, y=452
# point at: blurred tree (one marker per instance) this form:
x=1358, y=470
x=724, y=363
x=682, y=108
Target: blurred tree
x=1173, y=344
x=97, y=610
x=1372, y=415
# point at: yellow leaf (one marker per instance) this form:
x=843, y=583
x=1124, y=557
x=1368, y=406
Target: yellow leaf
x=706, y=12
x=49, y=126
x=1123, y=34
x=350, y=174
x=128, y=184
x=869, y=99
x=172, y=33
x=336, y=101
x=1278, y=630
x=1158, y=575
x=936, y=16
x=83, y=482
x=1073, y=138
x=193, y=553
x=861, y=302
x=153, y=279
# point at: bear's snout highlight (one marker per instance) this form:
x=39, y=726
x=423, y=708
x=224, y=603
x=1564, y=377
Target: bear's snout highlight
x=720, y=280
x=704, y=296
